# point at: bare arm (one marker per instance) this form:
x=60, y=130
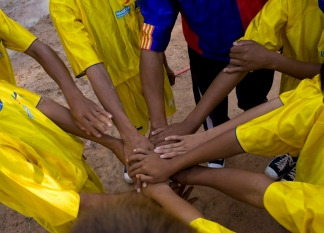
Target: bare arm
x=87, y=115
x=190, y=142
x=151, y=69
x=62, y=117
x=171, y=202
x=246, y=186
x=217, y=91
x=250, y=55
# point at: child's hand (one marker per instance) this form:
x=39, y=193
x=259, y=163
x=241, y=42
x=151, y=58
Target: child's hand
x=248, y=55
x=149, y=163
x=185, y=144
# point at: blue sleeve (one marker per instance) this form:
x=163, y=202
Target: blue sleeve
x=159, y=19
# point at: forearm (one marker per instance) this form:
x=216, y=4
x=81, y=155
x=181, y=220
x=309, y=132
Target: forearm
x=243, y=118
x=152, y=78
x=222, y=85
x=62, y=117
x=55, y=68
x=220, y=147
x=107, y=95
x=293, y=68
x=246, y=186
x=174, y=204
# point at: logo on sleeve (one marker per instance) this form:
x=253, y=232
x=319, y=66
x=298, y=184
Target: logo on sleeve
x=30, y=115
x=1, y=105
x=122, y=13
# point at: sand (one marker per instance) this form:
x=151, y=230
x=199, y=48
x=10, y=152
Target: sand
x=216, y=206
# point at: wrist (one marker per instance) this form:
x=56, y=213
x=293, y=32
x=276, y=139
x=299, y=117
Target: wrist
x=190, y=124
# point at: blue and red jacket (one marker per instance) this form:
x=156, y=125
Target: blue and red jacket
x=209, y=26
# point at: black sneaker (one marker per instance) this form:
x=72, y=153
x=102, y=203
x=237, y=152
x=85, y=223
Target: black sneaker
x=127, y=178
x=220, y=163
x=290, y=176
x=280, y=165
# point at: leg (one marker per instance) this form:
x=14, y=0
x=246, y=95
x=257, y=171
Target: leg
x=63, y=118
x=243, y=185
x=203, y=73
x=254, y=88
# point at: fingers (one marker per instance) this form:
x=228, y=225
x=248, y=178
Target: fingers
x=175, y=138
x=145, y=178
x=192, y=200
x=103, y=116
x=172, y=154
x=135, y=171
x=158, y=130
x=243, y=42
x=88, y=127
x=138, y=184
x=142, y=151
x=187, y=193
x=135, y=158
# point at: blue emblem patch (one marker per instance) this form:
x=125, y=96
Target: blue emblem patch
x=28, y=112
x=122, y=13
x=1, y=105
x=321, y=5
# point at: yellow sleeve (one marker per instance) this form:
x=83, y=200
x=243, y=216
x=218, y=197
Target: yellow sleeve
x=285, y=129
x=13, y=35
x=29, y=189
x=205, y=226
x=299, y=207
x=80, y=49
x=268, y=26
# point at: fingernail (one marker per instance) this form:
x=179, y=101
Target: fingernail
x=98, y=135
x=137, y=176
x=162, y=156
x=144, y=184
x=156, y=150
x=126, y=160
x=134, y=150
x=166, y=139
x=153, y=133
x=138, y=190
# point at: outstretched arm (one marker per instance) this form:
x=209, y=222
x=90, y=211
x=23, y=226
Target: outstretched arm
x=62, y=117
x=217, y=91
x=87, y=115
x=171, y=202
x=151, y=68
x=249, y=55
x=190, y=142
x=246, y=186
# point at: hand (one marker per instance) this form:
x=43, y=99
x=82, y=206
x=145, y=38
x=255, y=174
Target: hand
x=159, y=135
x=149, y=167
x=129, y=147
x=171, y=75
x=185, y=144
x=89, y=117
x=248, y=55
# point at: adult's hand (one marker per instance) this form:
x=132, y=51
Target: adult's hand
x=248, y=55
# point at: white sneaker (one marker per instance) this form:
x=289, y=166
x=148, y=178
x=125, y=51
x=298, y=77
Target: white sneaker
x=127, y=178
x=220, y=163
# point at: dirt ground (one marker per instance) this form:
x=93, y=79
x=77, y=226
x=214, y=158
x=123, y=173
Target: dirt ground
x=214, y=205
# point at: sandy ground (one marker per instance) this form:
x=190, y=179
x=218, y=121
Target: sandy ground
x=214, y=205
